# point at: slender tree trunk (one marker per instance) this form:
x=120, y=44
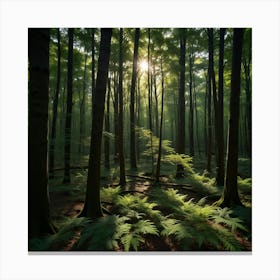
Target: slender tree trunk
x=116, y=119
x=92, y=208
x=132, y=101
x=191, y=134
x=217, y=115
x=156, y=102
x=55, y=102
x=39, y=221
x=196, y=115
x=121, y=140
x=138, y=116
x=67, y=144
x=221, y=165
x=82, y=110
x=150, y=99
x=92, y=67
x=161, y=123
x=107, y=129
x=205, y=116
x=181, y=102
x=230, y=195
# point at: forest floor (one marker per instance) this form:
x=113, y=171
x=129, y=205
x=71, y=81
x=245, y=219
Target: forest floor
x=67, y=202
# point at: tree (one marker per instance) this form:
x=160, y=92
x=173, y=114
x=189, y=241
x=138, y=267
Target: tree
x=220, y=107
x=92, y=67
x=67, y=143
x=107, y=128
x=92, y=208
x=39, y=221
x=120, y=123
x=132, y=101
x=209, y=111
x=181, y=102
x=82, y=109
x=218, y=110
x=54, y=109
x=191, y=104
x=230, y=194
x=160, y=125
x=246, y=61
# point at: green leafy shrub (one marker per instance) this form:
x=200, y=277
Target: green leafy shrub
x=112, y=232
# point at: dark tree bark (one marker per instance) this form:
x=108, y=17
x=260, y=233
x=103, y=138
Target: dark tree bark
x=191, y=134
x=160, y=125
x=116, y=118
x=121, y=144
x=218, y=117
x=82, y=110
x=92, y=67
x=181, y=102
x=67, y=144
x=107, y=129
x=150, y=99
x=205, y=115
x=133, y=163
x=196, y=115
x=247, y=71
x=138, y=116
x=54, y=109
x=230, y=195
x=220, y=114
x=38, y=197
x=209, y=116
x=92, y=208
x=156, y=100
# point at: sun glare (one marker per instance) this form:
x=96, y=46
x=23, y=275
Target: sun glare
x=143, y=66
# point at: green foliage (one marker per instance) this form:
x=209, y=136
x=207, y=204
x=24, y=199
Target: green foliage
x=135, y=205
x=112, y=232
x=169, y=156
x=196, y=225
x=67, y=231
x=110, y=194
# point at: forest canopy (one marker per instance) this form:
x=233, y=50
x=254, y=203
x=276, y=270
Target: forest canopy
x=139, y=139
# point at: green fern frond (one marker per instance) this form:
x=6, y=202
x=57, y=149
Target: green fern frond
x=110, y=194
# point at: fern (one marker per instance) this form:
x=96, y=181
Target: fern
x=110, y=194
x=222, y=216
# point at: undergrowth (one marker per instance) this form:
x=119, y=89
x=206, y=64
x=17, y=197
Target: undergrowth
x=163, y=213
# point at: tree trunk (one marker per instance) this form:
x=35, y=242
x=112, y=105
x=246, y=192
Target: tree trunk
x=230, y=195
x=92, y=67
x=82, y=111
x=191, y=108
x=181, y=102
x=205, y=115
x=156, y=101
x=121, y=143
x=132, y=101
x=38, y=197
x=218, y=118
x=92, y=208
x=107, y=129
x=55, y=103
x=67, y=144
x=116, y=118
x=209, y=142
x=150, y=99
x=220, y=106
x=160, y=127
x=196, y=116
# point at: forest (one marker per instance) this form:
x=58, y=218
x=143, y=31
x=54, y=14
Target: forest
x=139, y=139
